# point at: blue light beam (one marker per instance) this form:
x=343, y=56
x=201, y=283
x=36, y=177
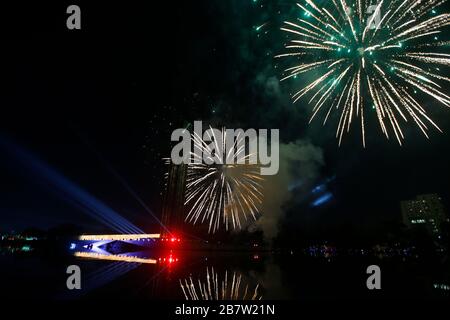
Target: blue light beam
x=322, y=200
x=70, y=191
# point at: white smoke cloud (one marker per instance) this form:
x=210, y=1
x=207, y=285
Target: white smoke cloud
x=299, y=161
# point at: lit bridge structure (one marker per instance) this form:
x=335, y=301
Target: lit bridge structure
x=132, y=248
x=119, y=237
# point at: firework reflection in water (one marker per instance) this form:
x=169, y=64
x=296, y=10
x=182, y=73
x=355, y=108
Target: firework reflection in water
x=229, y=288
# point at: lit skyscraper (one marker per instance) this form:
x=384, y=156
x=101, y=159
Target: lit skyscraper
x=426, y=210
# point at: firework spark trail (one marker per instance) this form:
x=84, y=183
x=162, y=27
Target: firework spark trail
x=210, y=289
x=222, y=194
x=375, y=62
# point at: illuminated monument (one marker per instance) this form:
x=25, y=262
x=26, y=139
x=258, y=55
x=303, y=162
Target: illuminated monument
x=173, y=201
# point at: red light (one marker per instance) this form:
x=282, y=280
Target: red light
x=169, y=259
x=172, y=239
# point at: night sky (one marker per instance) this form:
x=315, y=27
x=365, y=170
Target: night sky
x=106, y=99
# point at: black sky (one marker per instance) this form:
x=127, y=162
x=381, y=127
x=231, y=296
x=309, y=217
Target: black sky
x=112, y=93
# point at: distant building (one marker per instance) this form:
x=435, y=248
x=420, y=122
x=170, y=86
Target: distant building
x=426, y=210
x=173, y=202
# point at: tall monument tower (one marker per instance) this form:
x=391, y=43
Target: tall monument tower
x=173, y=201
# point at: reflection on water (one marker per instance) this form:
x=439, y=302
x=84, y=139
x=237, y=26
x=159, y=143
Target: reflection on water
x=214, y=288
x=40, y=272
x=114, y=257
